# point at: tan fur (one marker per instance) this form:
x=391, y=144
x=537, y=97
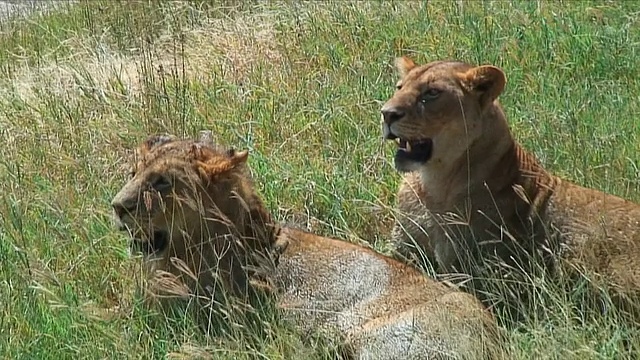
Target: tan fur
x=376, y=306
x=481, y=193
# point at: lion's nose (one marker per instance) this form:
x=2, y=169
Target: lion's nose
x=123, y=208
x=392, y=114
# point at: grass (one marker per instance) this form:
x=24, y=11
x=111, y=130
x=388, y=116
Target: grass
x=300, y=84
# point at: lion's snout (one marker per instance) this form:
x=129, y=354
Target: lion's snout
x=123, y=205
x=391, y=114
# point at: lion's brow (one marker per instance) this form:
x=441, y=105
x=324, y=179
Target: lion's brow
x=425, y=75
x=452, y=64
x=167, y=157
x=422, y=70
x=426, y=67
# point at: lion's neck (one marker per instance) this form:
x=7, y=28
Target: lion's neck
x=252, y=222
x=240, y=237
x=492, y=165
x=258, y=223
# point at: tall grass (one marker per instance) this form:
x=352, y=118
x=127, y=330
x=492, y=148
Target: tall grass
x=300, y=84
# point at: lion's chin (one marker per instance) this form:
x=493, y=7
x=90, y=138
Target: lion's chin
x=411, y=154
x=152, y=245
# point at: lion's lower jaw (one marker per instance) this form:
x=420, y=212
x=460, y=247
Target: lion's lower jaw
x=406, y=165
x=406, y=162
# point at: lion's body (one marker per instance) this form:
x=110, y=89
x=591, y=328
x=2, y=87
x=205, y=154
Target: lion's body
x=376, y=307
x=382, y=308
x=600, y=233
x=484, y=195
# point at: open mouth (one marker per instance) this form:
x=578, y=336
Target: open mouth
x=156, y=243
x=412, y=150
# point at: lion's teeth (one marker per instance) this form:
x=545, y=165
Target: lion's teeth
x=408, y=146
x=397, y=141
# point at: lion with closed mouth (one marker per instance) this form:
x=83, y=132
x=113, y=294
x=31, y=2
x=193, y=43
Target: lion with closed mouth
x=471, y=192
x=194, y=201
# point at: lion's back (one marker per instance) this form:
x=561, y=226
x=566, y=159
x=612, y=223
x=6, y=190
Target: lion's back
x=380, y=305
x=600, y=232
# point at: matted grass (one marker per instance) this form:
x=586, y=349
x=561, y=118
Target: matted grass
x=300, y=84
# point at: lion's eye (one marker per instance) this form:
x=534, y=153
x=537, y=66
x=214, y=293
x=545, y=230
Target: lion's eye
x=399, y=86
x=430, y=94
x=161, y=183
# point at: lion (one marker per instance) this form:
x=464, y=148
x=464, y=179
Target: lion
x=192, y=202
x=470, y=192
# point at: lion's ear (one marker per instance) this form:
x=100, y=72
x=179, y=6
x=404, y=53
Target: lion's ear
x=157, y=140
x=404, y=65
x=239, y=157
x=487, y=81
x=152, y=142
x=206, y=137
x=216, y=165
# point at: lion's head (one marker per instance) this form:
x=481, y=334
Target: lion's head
x=192, y=201
x=436, y=112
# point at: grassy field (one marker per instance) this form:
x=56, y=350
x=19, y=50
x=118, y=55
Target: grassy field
x=300, y=84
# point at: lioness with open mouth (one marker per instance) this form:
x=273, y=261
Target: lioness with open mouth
x=470, y=192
